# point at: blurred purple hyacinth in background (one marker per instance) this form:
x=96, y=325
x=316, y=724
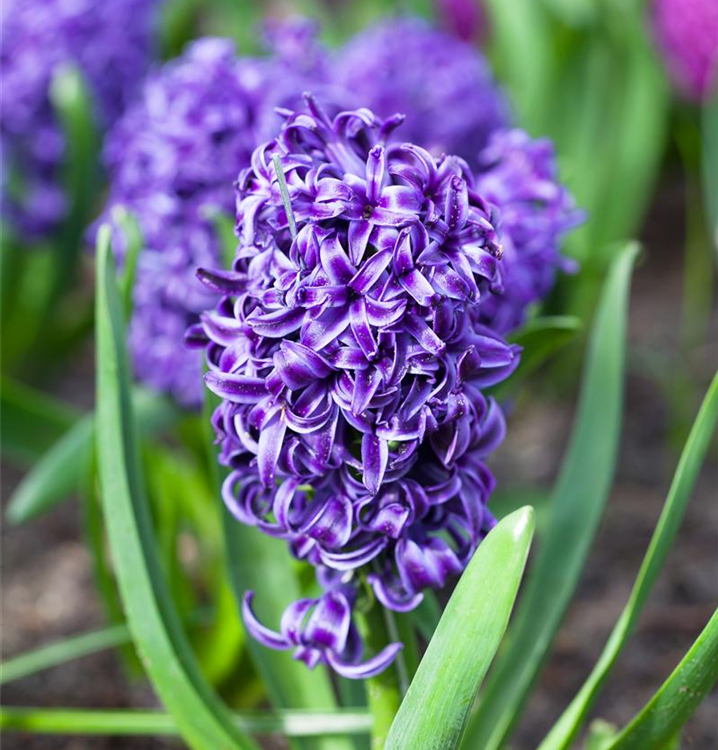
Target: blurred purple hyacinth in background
x=442, y=84
x=687, y=33
x=110, y=43
x=350, y=357
x=451, y=103
x=520, y=176
x=173, y=160
x=465, y=19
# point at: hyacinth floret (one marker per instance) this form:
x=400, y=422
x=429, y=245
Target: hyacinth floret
x=350, y=358
x=321, y=631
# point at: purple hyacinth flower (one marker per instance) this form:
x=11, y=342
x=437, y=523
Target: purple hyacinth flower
x=321, y=632
x=110, y=43
x=357, y=323
x=173, y=160
x=687, y=34
x=351, y=360
x=442, y=84
x=519, y=176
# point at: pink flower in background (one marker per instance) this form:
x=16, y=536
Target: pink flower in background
x=687, y=33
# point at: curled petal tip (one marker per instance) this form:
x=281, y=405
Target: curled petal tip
x=369, y=668
x=264, y=635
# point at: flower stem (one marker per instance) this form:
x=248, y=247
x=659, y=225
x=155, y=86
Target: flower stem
x=384, y=691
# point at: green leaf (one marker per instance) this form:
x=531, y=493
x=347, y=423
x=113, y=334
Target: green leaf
x=69, y=649
x=137, y=723
x=435, y=710
x=55, y=654
x=93, y=533
x=540, y=339
x=565, y=730
x=204, y=722
x=178, y=25
x=72, y=103
x=12, y=264
x=31, y=421
x=263, y=564
x=55, y=476
x=610, y=148
x=709, y=160
x=635, y=136
x=573, y=12
x=521, y=52
x=238, y=19
x=679, y=696
x=127, y=223
x=577, y=505
x=599, y=733
x=61, y=469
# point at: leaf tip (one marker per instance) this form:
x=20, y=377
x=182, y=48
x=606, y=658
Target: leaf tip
x=522, y=522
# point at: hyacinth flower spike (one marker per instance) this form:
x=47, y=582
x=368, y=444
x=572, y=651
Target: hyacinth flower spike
x=350, y=357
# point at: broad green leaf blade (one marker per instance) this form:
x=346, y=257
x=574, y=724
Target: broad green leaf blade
x=709, y=158
x=31, y=421
x=204, y=722
x=132, y=722
x=679, y=696
x=565, y=730
x=60, y=471
x=540, y=339
x=577, y=505
x=434, y=712
x=263, y=564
